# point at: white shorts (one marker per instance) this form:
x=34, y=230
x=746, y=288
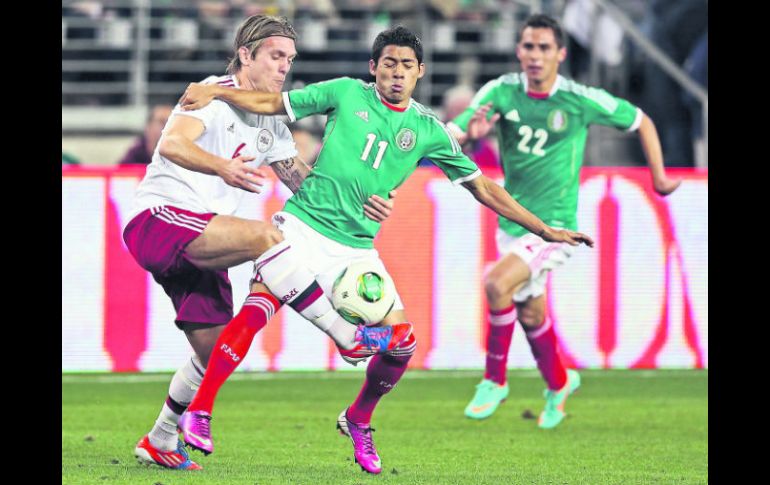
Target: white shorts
x=540, y=255
x=324, y=257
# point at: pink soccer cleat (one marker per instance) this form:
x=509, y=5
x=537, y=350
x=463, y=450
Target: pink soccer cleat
x=364, y=452
x=177, y=459
x=389, y=339
x=196, y=430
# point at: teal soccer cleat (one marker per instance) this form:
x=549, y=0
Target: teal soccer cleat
x=553, y=414
x=489, y=395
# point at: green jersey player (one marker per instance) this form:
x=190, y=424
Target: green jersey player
x=542, y=130
x=375, y=136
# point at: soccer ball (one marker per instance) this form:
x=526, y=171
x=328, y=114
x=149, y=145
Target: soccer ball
x=362, y=294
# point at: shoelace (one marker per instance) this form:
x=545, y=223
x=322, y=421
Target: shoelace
x=366, y=439
x=204, y=422
x=180, y=449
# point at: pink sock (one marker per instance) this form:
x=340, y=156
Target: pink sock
x=231, y=347
x=498, y=342
x=542, y=341
x=382, y=374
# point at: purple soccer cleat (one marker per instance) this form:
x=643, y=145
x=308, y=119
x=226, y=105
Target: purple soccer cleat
x=364, y=452
x=196, y=430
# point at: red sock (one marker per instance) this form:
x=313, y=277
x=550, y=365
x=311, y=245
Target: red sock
x=231, y=347
x=382, y=374
x=499, y=342
x=542, y=341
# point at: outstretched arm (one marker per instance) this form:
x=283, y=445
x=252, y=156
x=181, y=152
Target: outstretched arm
x=199, y=95
x=648, y=136
x=496, y=198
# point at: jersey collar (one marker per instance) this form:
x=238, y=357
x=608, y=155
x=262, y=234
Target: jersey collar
x=226, y=79
x=388, y=105
x=554, y=88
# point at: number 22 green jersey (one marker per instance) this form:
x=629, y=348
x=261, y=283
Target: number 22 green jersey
x=542, y=141
x=368, y=148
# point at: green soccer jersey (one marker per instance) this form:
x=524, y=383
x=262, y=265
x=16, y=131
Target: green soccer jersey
x=542, y=141
x=368, y=148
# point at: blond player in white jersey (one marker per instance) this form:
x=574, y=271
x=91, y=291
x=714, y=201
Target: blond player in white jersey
x=182, y=230
x=253, y=141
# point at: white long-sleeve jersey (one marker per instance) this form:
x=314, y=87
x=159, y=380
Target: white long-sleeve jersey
x=229, y=132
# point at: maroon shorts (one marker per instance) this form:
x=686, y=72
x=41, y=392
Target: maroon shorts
x=157, y=239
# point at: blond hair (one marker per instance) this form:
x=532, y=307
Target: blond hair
x=253, y=32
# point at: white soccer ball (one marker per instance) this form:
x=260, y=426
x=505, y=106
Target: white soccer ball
x=363, y=294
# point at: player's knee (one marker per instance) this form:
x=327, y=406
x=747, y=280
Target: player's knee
x=265, y=236
x=495, y=289
x=530, y=317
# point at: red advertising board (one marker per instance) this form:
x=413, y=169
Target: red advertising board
x=639, y=299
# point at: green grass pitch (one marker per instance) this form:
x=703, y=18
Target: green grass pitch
x=624, y=427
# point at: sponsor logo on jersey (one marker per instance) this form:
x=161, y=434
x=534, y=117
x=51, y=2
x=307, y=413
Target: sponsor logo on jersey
x=405, y=139
x=557, y=120
x=231, y=127
x=265, y=140
x=513, y=115
x=364, y=115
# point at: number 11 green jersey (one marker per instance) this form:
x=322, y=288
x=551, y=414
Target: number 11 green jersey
x=368, y=148
x=542, y=141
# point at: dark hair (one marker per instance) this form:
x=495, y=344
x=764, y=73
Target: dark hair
x=398, y=35
x=542, y=21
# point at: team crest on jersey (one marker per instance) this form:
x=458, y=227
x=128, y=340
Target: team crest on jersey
x=264, y=140
x=405, y=139
x=557, y=120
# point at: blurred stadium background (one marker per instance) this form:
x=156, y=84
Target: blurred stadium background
x=638, y=300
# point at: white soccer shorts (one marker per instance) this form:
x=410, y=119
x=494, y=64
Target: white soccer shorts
x=324, y=257
x=541, y=257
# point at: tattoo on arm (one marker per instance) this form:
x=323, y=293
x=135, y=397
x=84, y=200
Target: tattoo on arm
x=292, y=172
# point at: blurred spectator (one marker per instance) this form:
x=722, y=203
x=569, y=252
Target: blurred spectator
x=590, y=30
x=675, y=27
x=307, y=144
x=483, y=151
x=697, y=66
x=141, y=151
x=213, y=24
x=316, y=9
x=467, y=10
